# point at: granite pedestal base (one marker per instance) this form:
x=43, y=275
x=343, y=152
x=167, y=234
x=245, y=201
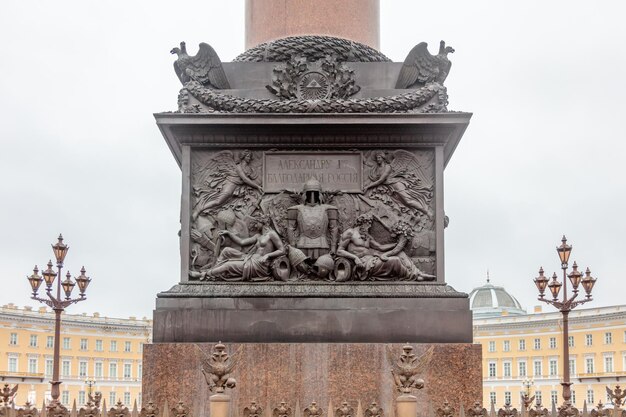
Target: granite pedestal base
x=304, y=372
x=296, y=313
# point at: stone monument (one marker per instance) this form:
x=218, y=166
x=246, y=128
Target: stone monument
x=312, y=226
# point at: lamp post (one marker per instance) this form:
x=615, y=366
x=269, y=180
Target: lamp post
x=58, y=303
x=527, y=400
x=90, y=383
x=565, y=304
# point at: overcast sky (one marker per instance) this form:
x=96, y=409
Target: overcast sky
x=81, y=153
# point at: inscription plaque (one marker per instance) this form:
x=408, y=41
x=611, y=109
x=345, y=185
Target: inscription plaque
x=336, y=171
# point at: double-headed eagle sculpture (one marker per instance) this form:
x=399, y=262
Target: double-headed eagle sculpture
x=7, y=393
x=217, y=367
x=405, y=370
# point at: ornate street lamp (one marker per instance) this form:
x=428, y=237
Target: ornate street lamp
x=527, y=400
x=58, y=303
x=565, y=304
x=90, y=383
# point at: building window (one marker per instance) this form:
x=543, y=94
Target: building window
x=624, y=336
x=521, y=368
x=127, y=399
x=139, y=399
x=507, y=397
x=81, y=397
x=139, y=370
x=492, y=346
x=33, y=340
x=492, y=397
x=49, y=366
x=589, y=365
x=537, y=344
x=112, y=399
x=589, y=339
x=13, y=339
x=82, y=370
x=127, y=346
x=537, y=368
x=522, y=344
x=113, y=370
x=141, y=347
x=554, y=397
x=608, y=338
x=65, y=398
x=113, y=346
x=66, y=343
x=506, y=346
x=127, y=370
x=607, y=398
x=32, y=365
x=98, y=369
x=492, y=369
x=570, y=341
x=573, y=397
x=608, y=364
x=49, y=342
x=99, y=346
x=32, y=397
x=65, y=368
x=83, y=345
x=553, y=367
x=506, y=369
x=590, y=399
x=538, y=397
x=572, y=366
x=12, y=364
x=553, y=343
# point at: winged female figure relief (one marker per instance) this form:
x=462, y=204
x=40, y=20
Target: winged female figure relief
x=398, y=180
x=223, y=180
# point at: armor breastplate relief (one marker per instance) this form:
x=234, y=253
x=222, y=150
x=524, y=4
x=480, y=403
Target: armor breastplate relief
x=312, y=224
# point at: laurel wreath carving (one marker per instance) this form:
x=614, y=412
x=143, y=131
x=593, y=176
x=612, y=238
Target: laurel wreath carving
x=432, y=98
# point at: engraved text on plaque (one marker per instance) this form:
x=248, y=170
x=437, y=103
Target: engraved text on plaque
x=340, y=171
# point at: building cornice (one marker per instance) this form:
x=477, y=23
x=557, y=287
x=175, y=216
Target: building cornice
x=102, y=324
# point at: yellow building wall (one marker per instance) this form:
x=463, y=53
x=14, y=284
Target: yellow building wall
x=107, y=351
x=598, y=355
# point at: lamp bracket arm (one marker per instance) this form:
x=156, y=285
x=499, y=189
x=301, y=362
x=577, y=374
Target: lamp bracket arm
x=49, y=303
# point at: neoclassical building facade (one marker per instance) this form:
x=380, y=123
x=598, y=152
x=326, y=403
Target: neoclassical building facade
x=524, y=351
x=104, y=350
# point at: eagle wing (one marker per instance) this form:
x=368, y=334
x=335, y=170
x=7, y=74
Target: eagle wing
x=419, y=67
x=206, y=68
x=13, y=390
x=232, y=361
x=423, y=361
x=610, y=393
x=393, y=361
